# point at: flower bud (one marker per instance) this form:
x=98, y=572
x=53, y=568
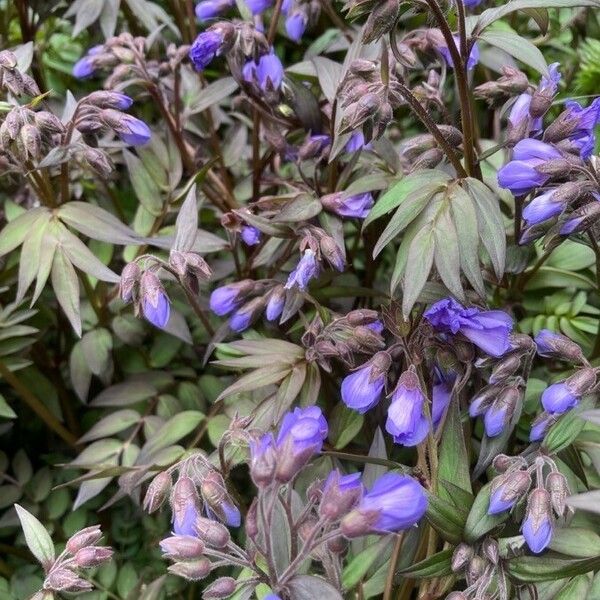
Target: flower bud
x=108, y=99
x=276, y=303
x=185, y=506
x=557, y=486
x=65, y=580
x=92, y=556
x=192, y=571
x=340, y=494
x=537, y=526
x=251, y=520
x=130, y=277
x=461, y=557
x=263, y=460
x=491, y=550
x=31, y=140
x=358, y=523
x=475, y=569
x=362, y=316
x=505, y=368
x=182, y=547
x=381, y=20
x=337, y=545
x=83, y=538
x=332, y=253
x=48, y=122
x=155, y=304
x=98, y=160
x=502, y=462
x=158, y=490
x=218, y=500
x=190, y=267
x=507, y=490
x=213, y=533
x=220, y=588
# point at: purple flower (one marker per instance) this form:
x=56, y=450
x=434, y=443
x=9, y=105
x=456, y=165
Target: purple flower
x=487, y=329
x=263, y=458
x=543, y=207
x=208, y=9
x=267, y=73
x=376, y=326
x=241, y=320
x=361, y=389
x=185, y=504
x=258, y=6
x=307, y=269
x=394, y=502
x=224, y=300
x=441, y=394
x=537, y=526
x=232, y=515
x=500, y=412
x=250, y=235
x=540, y=426
x=471, y=61
x=509, y=491
x=304, y=428
x=155, y=304
x=133, y=131
x=275, y=304
x=356, y=206
x=549, y=84
x=405, y=418
x=559, y=398
x=204, y=49
x=519, y=118
x=295, y=25
x=472, y=3
x=85, y=66
x=357, y=142
x=550, y=344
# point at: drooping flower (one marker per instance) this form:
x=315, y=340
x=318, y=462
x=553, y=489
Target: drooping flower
x=361, y=389
x=357, y=142
x=263, y=458
x=537, y=527
x=507, y=490
x=551, y=344
x=133, y=131
x=205, y=48
x=307, y=269
x=473, y=55
x=500, y=412
x=155, y=304
x=394, y=502
x=85, y=67
x=540, y=426
x=244, y=316
x=186, y=507
x=300, y=437
x=405, y=418
x=487, y=329
x=581, y=218
x=558, y=398
x=227, y=298
x=267, y=73
x=357, y=206
x=209, y=9
x=295, y=25
x=441, y=394
x=275, y=304
x=257, y=7
x=251, y=235
x=543, y=207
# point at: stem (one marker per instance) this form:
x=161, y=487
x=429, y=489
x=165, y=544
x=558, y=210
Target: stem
x=518, y=215
x=461, y=84
x=255, y=154
x=274, y=22
x=198, y=310
x=432, y=128
x=37, y=406
x=389, y=581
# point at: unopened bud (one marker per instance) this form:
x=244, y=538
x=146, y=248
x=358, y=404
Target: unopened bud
x=490, y=550
x=475, y=569
x=358, y=523
x=558, y=488
x=251, y=520
x=461, y=557
x=505, y=368
x=182, y=547
x=193, y=570
x=130, y=277
x=380, y=21
x=31, y=140
x=221, y=588
x=502, y=462
x=337, y=545
x=158, y=490
x=332, y=253
x=65, y=580
x=92, y=556
x=582, y=381
x=83, y=538
x=98, y=160
x=213, y=533
x=362, y=316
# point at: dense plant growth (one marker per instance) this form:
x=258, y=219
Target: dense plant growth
x=299, y=299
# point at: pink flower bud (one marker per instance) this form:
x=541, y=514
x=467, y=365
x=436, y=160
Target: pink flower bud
x=92, y=556
x=211, y=532
x=182, y=547
x=65, y=580
x=192, y=571
x=221, y=588
x=158, y=490
x=83, y=538
x=130, y=277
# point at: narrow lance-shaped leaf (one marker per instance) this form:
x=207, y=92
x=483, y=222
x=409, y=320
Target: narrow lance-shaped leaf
x=37, y=538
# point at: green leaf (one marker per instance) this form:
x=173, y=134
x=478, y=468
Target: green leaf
x=111, y=424
x=576, y=541
x=212, y=94
x=418, y=266
x=479, y=522
x=173, y=430
x=14, y=232
x=66, y=288
x=360, y=564
x=422, y=182
x=37, y=538
x=568, y=427
x=453, y=463
x=145, y=188
x=437, y=565
x=309, y=587
x=531, y=569
x=344, y=425
x=576, y=588
x=490, y=223
x=446, y=518
x=446, y=254
x=257, y=379
x=518, y=47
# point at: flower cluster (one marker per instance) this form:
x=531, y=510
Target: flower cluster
x=545, y=501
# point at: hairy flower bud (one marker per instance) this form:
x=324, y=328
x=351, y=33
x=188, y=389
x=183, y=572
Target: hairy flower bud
x=108, y=99
x=552, y=344
x=92, y=556
x=192, y=570
x=157, y=492
x=507, y=490
x=130, y=277
x=190, y=267
x=182, y=547
x=213, y=533
x=31, y=140
x=223, y=587
x=463, y=553
x=83, y=538
x=98, y=160
x=537, y=526
x=340, y=494
x=263, y=460
x=155, y=303
x=381, y=20
x=505, y=368
x=491, y=550
x=475, y=569
x=218, y=500
x=332, y=253
x=65, y=580
x=251, y=520
x=557, y=486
